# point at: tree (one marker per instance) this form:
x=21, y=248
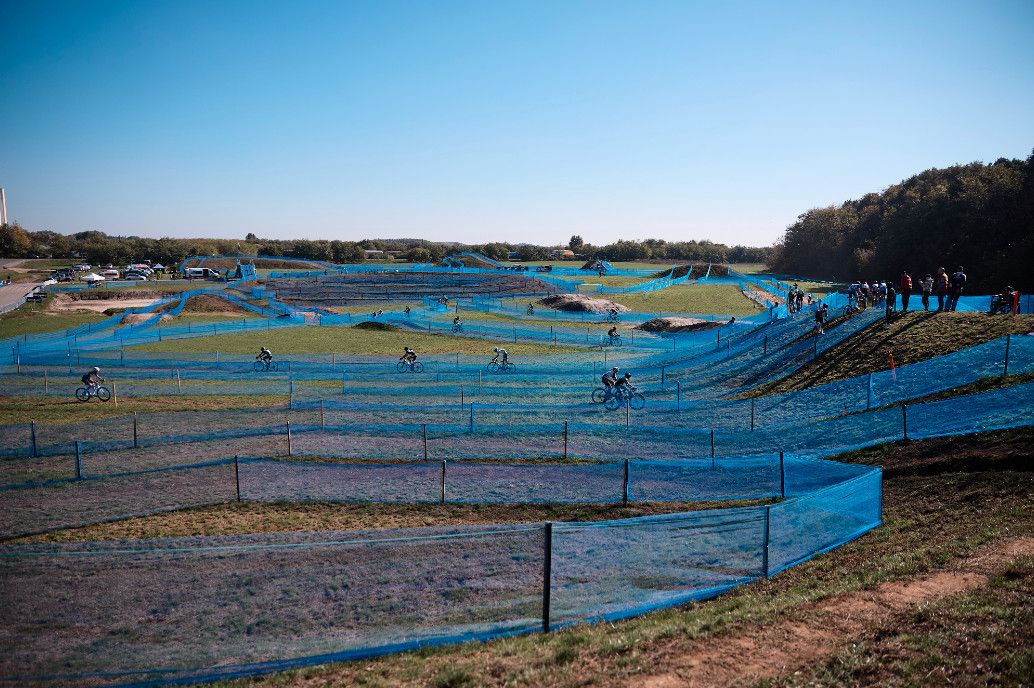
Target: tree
x=575, y=243
x=251, y=237
x=418, y=255
x=14, y=241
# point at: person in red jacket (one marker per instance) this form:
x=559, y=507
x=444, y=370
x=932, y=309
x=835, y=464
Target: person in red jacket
x=905, y=285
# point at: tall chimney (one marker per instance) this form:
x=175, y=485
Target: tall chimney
x=3, y=207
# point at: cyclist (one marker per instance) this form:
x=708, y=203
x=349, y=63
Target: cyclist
x=531, y=309
x=609, y=381
x=501, y=356
x=623, y=385
x=457, y=324
x=613, y=334
x=406, y=311
x=265, y=355
x=613, y=315
x=409, y=356
x=91, y=378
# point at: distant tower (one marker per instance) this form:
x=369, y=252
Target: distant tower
x=3, y=207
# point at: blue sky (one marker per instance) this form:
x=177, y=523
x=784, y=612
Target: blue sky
x=518, y=121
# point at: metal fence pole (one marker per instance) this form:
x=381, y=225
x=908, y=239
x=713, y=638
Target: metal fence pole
x=868, y=393
x=662, y=378
x=904, y=421
x=765, y=541
x=78, y=460
x=752, y=415
x=462, y=402
x=628, y=412
x=624, y=485
x=136, y=442
x=565, y=439
x=712, y=447
x=547, y=574
x=114, y=394
x=472, y=416
x=782, y=476
x=764, y=349
x=289, y=453
x=46, y=384
x=237, y=477
x=32, y=429
x=442, y=497
x=179, y=382
x=423, y=428
x=678, y=395
x=323, y=418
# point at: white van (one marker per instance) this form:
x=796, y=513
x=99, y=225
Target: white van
x=201, y=273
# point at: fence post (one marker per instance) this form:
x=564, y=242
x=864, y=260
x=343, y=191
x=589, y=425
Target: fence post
x=678, y=396
x=712, y=447
x=565, y=439
x=136, y=443
x=114, y=394
x=461, y=395
x=764, y=349
x=662, y=378
x=782, y=476
x=32, y=429
x=122, y=357
x=514, y=334
x=423, y=428
x=547, y=574
x=904, y=421
x=479, y=383
x=628, y=412
x=46, y=384
x=323, y=418
x=237, y=477
x=624, y=485
x=442, y=499
x=752, y=414
x=764, y=544
x=289, y=438
x=78, y=460
x=868, y=393
x=1008, y=340
x=472, y=416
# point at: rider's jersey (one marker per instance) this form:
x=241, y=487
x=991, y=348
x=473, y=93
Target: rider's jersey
x=609, y=379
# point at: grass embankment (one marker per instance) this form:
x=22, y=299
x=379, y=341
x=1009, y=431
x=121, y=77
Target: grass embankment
x=33, y=319
x=689, y=299
x=343, y=340
x=944, y=499
x=910, y=338
x=70, y=410
x=279, y=517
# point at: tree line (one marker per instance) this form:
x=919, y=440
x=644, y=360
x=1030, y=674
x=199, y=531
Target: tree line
x=978, y=216
x=96, y=247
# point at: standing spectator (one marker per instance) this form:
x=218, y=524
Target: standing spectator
x=927, y=288
x=940, y=287
x=820, y=319
x=955, y=286
x=906, y=290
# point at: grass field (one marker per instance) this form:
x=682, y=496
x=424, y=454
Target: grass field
x=50, y=410
x=341, y=339
x=909, y=338
x=32, y=319
x=688, y=299
x=945, y=499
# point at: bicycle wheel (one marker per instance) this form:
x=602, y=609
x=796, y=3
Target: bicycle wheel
x=103, y=394
x=82, y=394
x=402, y=366
x=273, y=366
x=508, y=368
x=599, y=395
x=637, y=401
x=418, y=367
x=492, y=367
x=259, y=366
x=614, y=403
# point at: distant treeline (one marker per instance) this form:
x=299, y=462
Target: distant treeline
x=97, y=247
x=978, y=216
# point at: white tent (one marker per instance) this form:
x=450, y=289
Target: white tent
x=92, y=277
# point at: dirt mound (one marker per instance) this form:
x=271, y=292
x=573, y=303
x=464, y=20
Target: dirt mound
x=207, y=303
x=136, y=318
x=580, y=302
x=677, y=325
x=375, y=326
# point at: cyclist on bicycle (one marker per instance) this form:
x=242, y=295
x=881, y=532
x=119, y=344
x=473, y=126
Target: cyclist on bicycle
x=613, y=334
x=613, y=315
x=407, y=310
x=500, y=353
x=265, y=355
x=531, y=309
x=91, y=378
x=409, y=356
x=609, y=381
x=457, y=324
x=624, y=384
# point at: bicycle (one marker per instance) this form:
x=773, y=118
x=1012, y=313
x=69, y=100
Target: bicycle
x=407, y=367
x=613, y=340
x=87, y=393
x=504, y=367
x=611, y=318
x=457, y=328
x=266, y=366
x=600, y=395
x=632, y=396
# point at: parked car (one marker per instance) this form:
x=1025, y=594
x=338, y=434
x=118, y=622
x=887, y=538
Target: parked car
x=134, y=277
x=110, y=274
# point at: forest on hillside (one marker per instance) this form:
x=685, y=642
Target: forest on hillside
x=979, y=216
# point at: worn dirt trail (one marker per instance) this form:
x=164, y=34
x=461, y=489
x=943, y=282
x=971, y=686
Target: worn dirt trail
x=775, y=650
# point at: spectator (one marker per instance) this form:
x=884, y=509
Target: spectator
x=891, y=299
x=955, y=286
x=927, y=287
x=820, y=318
x=940, y=287
x=906, y=290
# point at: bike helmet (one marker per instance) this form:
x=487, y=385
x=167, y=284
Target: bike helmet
x=628, y=374
x=614, y=369
x=496, y=349
x=96, y=369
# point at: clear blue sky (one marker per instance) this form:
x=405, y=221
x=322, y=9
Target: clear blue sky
x=519, y=121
